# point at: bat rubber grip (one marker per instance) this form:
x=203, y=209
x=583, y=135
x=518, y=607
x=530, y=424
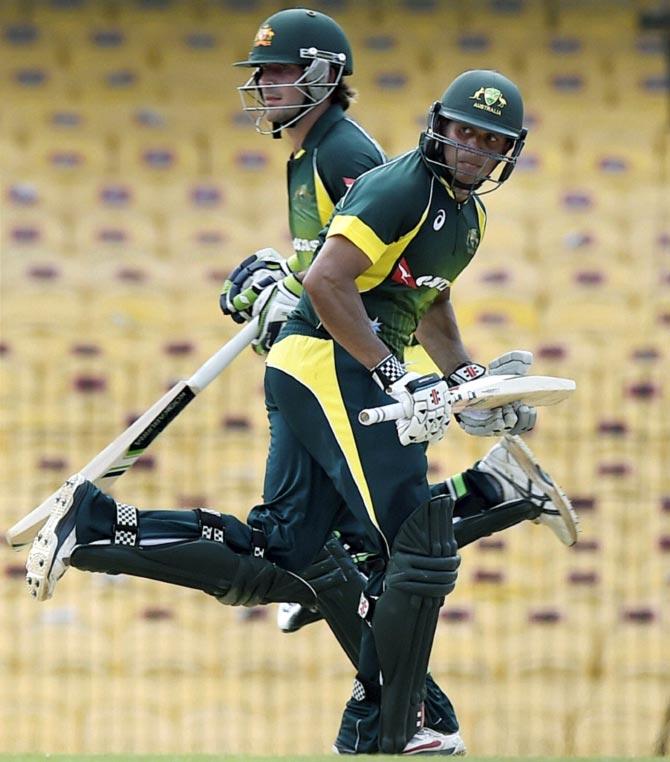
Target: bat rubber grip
x=373, y=415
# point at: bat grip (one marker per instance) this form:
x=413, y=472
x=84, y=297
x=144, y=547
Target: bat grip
x=373, y=415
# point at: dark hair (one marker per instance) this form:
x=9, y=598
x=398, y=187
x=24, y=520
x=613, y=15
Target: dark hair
x=343, y=95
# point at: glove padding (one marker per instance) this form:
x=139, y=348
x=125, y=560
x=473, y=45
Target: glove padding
x=514, y=418
x=425, y=400
x=273, y=306
x=248, y=280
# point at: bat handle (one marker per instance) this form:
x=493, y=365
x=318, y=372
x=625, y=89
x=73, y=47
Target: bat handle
x=372, y=415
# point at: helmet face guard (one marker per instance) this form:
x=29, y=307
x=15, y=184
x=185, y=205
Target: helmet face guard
x=485, y=180
x=316, y=84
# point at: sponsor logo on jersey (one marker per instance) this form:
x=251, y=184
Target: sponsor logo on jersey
x=433, y=281
x=489, y=99
x=264, y=36
x=403, y=275
x=305, y=244
x=440, y=217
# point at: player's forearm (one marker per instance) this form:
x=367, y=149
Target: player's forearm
x=440, y=336
x=340, y=309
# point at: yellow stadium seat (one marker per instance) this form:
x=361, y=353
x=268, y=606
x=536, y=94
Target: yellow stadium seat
x=589, y=20
x=216, y=238
x=27, y=45
x=120, y=82
x=105, y=43
x=605, y=315
x=29, y=234
x=110, y=233
x=159, y=158
x=196, y=64
x=26, y=83
x=67, y=158
x=497, y=313
x=252, y=159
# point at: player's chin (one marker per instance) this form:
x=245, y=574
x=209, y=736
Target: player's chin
x=469, y=175
x=279, y=113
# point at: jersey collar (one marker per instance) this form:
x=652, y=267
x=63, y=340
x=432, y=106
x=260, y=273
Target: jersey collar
x=334, y=114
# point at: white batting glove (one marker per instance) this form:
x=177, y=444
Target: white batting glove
x=514, y=418
x=273, y=305
x=517, y=362
x=425, y=400
x=514, y=363
x=249, y=279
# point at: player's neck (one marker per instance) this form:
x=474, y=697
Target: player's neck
x=298, y=132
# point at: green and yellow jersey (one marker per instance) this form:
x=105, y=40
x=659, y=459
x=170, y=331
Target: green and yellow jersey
x=335, y=152
x=418, y=239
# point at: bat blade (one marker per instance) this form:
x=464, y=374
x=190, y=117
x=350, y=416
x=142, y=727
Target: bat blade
x=114, y=460
x=495, y=391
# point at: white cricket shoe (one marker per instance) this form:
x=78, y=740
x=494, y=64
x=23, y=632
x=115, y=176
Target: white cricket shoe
x=519, y=474
x=50, y=552
x=430, y=742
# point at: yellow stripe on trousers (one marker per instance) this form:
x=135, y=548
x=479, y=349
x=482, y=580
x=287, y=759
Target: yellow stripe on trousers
x=311, y=362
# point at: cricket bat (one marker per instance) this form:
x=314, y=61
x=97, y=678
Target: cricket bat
x=487, y=392
x=120, y=455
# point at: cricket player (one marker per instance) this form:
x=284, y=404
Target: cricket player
x=323, y=366
x=289, y=96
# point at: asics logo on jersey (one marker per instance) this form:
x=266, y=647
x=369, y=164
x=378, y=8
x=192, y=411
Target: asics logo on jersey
x=440, y=217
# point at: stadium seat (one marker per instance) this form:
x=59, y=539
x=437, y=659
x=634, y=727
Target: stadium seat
x=159, y=159
x=28, y=234
x=118, y=234
x=67, y=158
x=498, y=313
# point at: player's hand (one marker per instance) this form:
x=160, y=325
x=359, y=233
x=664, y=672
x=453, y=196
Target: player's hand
x=425, y=400
x=514, y=418
x=517, y=362
x=248, y=280
x=273, y=306
x=514, y=363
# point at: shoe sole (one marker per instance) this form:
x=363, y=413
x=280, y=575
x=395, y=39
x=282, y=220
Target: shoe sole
x=456, y=752
x=46, y=546
x=529, y=465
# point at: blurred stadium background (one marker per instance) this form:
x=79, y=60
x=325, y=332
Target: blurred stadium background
x=131, y=184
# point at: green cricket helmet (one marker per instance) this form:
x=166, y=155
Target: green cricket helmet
x=488, y=101
x=300, y=37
